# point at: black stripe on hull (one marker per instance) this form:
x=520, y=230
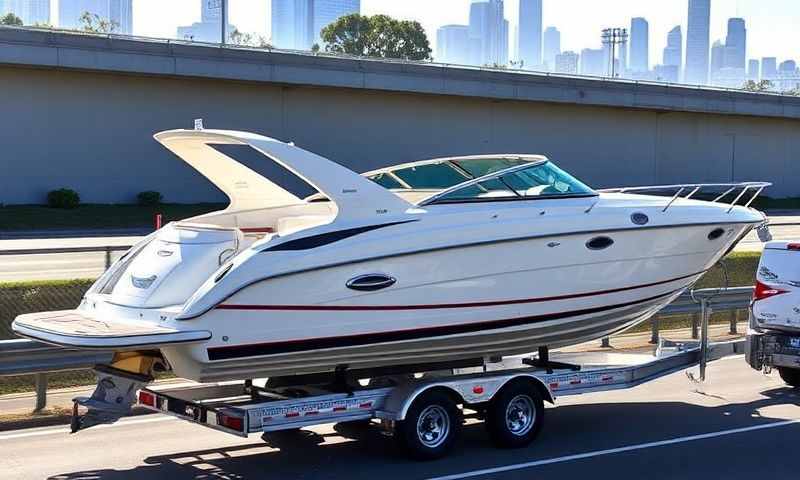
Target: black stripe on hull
x=264, y=349
x=314, y=241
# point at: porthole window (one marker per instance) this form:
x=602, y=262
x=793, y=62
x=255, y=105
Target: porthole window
x=599, y=243
x=716, y=233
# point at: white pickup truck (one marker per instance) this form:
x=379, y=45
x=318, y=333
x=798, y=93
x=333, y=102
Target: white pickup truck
x=773, y=337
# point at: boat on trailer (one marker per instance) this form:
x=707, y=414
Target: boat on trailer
x=424, y=263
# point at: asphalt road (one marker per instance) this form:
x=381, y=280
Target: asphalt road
x=742, y=425
x=90, y=265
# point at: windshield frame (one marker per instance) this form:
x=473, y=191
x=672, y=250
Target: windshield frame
x=437, y=198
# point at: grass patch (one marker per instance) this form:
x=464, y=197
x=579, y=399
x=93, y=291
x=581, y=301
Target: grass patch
x=39, y=217
x=57, y=380
x=27, y=383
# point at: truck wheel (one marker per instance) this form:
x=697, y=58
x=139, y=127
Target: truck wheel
x=515, y=415
x=431, y=426
x=790, y=375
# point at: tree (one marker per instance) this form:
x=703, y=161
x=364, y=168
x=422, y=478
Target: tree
x=11, y=19
x=377, y=36
x=238, y=37
x=94, y=23
x=753, y=86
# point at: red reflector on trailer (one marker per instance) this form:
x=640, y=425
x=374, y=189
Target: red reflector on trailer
x=339, y=409
x=235, y=423
x=365, y=405
x=147, y=398
x=763, y=291
x=477, y=389
x=292, y=414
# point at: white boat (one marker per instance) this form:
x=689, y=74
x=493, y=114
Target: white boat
x=423, y=263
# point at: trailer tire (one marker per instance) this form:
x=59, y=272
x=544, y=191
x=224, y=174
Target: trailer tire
x=431, y=427
x=514, y=417
x=790, y=375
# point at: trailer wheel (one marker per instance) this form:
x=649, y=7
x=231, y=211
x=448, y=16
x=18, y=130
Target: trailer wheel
x=431, y=426
x=515, y=415
x=790, y=375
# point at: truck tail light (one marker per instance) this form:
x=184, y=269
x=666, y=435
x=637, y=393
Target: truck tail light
x=147, y=398
x=228, y=421
x=763, y=291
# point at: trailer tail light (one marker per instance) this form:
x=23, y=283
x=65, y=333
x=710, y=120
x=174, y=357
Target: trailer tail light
x=763, y=291
x=147, y=398
x=228, y=421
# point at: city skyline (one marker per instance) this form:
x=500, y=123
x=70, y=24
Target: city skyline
x=767, y=30
x=766, y=33
x=742, y=41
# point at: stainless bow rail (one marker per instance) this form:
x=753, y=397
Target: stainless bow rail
x=696, y=188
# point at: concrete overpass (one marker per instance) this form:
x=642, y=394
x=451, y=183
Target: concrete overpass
x=78, y=111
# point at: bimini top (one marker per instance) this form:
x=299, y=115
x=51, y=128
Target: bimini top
x=355, y=196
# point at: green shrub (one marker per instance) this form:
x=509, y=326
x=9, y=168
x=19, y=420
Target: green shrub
x=63, y=198
x=149, y=198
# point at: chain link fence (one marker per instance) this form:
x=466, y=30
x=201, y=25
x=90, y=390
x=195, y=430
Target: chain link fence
x=19, y=298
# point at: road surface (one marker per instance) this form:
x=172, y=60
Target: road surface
x=741, y=425
x=68, y=266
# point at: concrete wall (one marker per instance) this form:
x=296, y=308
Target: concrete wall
x=91, y=129
x=92, y=132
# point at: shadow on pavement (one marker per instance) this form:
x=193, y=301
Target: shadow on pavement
x=361, y=451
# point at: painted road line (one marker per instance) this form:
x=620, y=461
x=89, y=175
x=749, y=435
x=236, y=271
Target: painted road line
x=611, y=451
x=65, y=430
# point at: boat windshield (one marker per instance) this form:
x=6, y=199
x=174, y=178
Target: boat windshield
x=527, y=181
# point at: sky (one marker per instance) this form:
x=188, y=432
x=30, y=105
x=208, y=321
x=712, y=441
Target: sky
x=771, y=24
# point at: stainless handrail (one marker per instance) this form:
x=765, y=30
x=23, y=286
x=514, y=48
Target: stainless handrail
x=697, y=187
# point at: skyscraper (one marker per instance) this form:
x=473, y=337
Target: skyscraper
x=117, y=11
x=736, y=44
x=478, y=31
x=551, y=47
x=328, y=11
x=208, y=29
x=530, y=32
x=593, y=62
x=769, y=68
x=488, y=33
x=452, y=42
x=497, y=34
x=639, y=59
x=566, y=62
x=293, y=24
x=31, y=12
x=697, y=38
x=753, y=72
x=673, y=53
x=717, y=61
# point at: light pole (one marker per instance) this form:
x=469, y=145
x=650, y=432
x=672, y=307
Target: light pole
x=223, y=13
x=611, y=38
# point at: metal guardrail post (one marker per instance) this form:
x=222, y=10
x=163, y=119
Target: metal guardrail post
x=605, y=342
x=734, y=318
x=695, y=325
x=41, y=392
x=705, y=312
x=108, y=258
x=654, y=330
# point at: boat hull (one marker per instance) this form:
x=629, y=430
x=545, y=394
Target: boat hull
x=497, y=305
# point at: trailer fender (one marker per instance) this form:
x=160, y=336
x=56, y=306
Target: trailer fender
x=470, y=390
